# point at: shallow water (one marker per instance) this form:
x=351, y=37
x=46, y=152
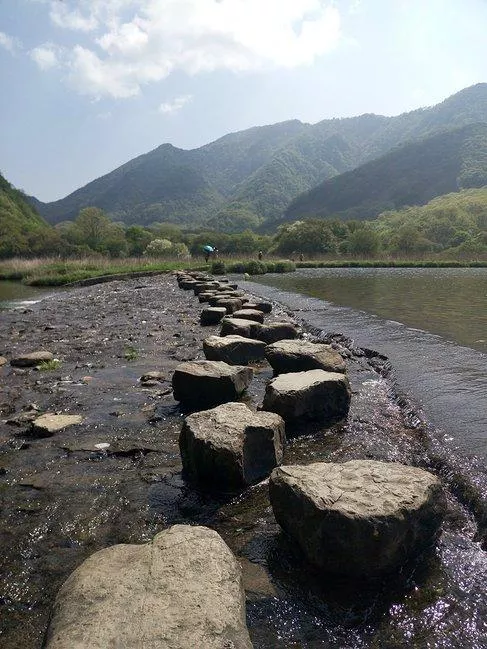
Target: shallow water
x=446, y=379
x=14, y=294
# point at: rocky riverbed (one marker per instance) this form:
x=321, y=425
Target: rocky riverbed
x=116, y=477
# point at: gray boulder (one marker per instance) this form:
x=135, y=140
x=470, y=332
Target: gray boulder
x=235, y=350
x=209, y=383
x=205, y=296
x=231, y=447
x=361, y=518
x=32, y=359
x=182, y=590
x=187, y=284
x=266, y=307
x=302, y=355
x=268, y=333
x=314, y=394
x=250, y=314
x=199, y=287
x=240, y=327
x=212, y=315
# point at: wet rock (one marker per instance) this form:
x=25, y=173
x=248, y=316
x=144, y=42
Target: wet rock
x=209, y=383
x=49, y=423
x=265, y=307
x=182, y=590
x=361, y=518
x=32, y=359
x=301, y=355
x=152, y=378
x=250, y=314
x=231, y=447
x=212, y=315
x=3, y=361
x=314, y=394
x=187, y=284
x=234, y=350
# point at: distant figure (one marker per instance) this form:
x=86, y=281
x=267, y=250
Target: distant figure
x=209, y=250
x=260, y=255
x=301, y=257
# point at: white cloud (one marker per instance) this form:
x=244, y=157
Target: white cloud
x=130, y=43
x=9, y=43
x=176, y=104
x=45, y=56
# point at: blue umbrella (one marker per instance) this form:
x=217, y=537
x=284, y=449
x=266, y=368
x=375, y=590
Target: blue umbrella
x=208, y=248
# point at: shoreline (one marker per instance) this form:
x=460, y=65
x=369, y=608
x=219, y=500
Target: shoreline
x=64, y=499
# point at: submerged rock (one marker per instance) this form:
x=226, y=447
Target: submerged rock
x=361, y=518
x=314, y=394
x=32, y=359
x=182, y=590
x=301, y=355
x=231, y=447
x=234, y=350
x=209, y=383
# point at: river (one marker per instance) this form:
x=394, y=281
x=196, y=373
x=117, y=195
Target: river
x=430, y=322
x=16, y=293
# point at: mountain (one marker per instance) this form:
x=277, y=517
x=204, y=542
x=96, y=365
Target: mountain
x=20, y=224
x=258, y=171
x=411, y=174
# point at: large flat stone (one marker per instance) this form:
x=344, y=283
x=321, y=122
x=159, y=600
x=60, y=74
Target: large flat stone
x=212, y=315
x=50, y=423
x=235, y=350
x=301, y=355
x=361, y=518
x=314, y=394
x=181, y=591
x=209, y=383
x=231, y=447
x=32, y=359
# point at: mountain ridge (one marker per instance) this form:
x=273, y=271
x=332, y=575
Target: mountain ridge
x=261, y=169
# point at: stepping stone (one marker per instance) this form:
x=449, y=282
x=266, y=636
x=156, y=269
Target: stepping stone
x=212, y=315
x=209, y=383
x=271, y=333
x=199, y=287
x=249, y=314
x=361, y=518
x=231, y=304
x=187, y=284
x=302, y=355
x=49, y=423
x=32, y=360
x=235, y=350
x=231, y=447
x=266, y=307
x=181, y=590
x=240, y=327
x=205, y=296
x=314, y=394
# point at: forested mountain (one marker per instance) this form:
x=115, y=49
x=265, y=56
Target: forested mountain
x=21, y=228
x=411, y=174
x=251, y=177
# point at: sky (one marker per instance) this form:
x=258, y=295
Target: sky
x=86, y=85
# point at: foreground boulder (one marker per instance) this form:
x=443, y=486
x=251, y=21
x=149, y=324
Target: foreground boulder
x=182, y=590
x=301, y=355
x=32, y=360
x=231, y=447
x=362, y=518
x=234, y=350
x=209, y=383
x=314, y=394
x=212, y=315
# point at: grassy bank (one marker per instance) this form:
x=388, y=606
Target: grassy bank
x=54, y=272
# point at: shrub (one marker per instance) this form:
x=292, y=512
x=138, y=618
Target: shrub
x=218, y=268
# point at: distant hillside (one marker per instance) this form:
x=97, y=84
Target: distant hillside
x=411, y=174
x=20, y=224
x=257, y=172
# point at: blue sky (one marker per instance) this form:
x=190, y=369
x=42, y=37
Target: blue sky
x=89, y=84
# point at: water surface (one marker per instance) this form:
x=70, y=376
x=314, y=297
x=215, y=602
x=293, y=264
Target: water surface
x=18, y=294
